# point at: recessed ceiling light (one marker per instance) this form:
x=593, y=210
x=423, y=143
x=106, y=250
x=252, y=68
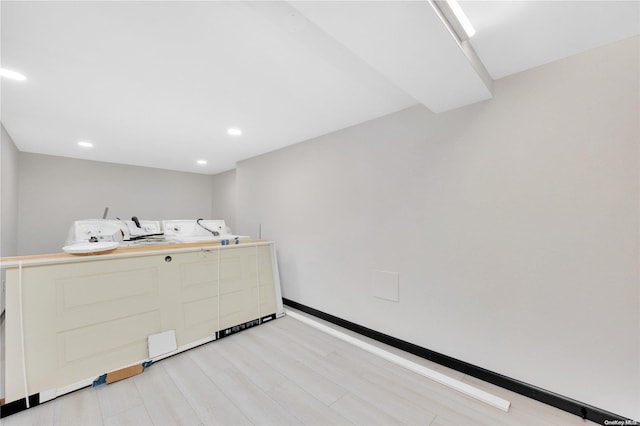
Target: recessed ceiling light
x=12, y=74
x=234, y=132
x=202, y=162
x=85, y=144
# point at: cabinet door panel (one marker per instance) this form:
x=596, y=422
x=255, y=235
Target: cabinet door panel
x=198, y=295
x=265, y=277
x=100, y=348
x=238, y=284
x=104, y=296
x=85, y=319
x=200, y=320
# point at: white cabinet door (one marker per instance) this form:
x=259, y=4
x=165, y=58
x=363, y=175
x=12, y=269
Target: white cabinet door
x=83, y=319
x=87, y=318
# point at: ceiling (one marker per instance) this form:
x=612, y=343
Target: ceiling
x=158, y=84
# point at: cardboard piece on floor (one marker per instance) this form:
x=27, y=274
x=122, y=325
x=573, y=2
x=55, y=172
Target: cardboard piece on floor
x=124, y=373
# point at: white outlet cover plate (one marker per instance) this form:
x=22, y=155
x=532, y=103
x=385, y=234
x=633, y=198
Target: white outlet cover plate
x=162, y=343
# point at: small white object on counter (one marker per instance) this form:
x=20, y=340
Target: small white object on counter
x=86, y=248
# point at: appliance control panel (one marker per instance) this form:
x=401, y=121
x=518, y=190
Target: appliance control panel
x=189, y=228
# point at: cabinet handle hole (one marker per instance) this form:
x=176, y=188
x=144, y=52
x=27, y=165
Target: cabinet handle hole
x=167, y=259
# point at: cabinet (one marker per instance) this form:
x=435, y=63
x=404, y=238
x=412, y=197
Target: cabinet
x=83, y=319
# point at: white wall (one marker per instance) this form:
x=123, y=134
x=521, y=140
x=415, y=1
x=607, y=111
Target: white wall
x=513, y=225
x=224, y=198
x=55, y=191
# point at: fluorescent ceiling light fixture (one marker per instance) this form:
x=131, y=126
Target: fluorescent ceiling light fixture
x=456, y=18
x=12, y=74
x=85, y=144
x=202, y=162
x=234, y=132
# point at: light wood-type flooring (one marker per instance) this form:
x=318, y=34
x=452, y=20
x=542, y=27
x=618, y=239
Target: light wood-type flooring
x=280, y=373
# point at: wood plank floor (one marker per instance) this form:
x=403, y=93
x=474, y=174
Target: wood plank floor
x=280, y=373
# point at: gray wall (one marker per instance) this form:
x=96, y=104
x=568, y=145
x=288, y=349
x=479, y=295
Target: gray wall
x=8, y=202
x=224, y=198
x=8, y=195
x=513, y=225
x=55, y=191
